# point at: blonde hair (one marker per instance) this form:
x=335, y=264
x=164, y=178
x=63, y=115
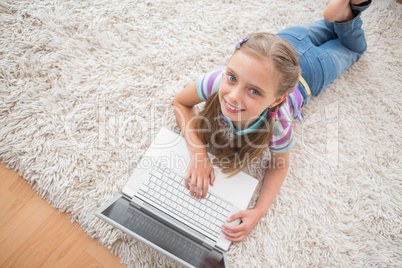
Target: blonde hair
x=250, y=146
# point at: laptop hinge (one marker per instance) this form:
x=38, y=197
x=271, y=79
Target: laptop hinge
x=208, y=243
x=126, y=196
x=137, y=203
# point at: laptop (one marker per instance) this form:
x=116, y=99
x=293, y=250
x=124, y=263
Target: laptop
x=155, y=208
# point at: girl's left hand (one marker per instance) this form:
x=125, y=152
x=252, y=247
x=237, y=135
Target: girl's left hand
x=238, y=233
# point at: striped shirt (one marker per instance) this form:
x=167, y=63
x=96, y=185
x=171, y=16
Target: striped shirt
x=283, y=137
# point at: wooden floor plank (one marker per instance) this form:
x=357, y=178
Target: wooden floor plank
x=20, y=227
x=7, y=177
x=2, y=168
x=13, y=200
x=68, y=252
x=104, y=257
x=86, y=260
x=39, y=245
x=11, y=206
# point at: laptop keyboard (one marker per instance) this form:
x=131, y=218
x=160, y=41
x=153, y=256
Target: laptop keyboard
x=165, y=190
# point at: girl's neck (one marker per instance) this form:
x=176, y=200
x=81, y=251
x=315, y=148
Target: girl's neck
x=240, y=128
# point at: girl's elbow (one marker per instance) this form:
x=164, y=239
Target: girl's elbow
x=175, y=101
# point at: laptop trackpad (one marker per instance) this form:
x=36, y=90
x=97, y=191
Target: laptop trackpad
x=159, y=236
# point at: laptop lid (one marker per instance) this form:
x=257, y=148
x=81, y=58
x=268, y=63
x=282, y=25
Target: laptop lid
x=159, y=235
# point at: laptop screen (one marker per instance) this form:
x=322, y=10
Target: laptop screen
x=158, y=234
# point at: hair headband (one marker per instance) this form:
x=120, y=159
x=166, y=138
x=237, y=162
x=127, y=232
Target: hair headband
x=241, y=42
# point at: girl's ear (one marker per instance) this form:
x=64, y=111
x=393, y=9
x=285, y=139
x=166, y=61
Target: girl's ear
x=278, y=100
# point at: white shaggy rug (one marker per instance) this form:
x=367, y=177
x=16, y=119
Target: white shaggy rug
x=84, y=86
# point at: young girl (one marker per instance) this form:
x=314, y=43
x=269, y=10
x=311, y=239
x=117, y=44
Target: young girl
x=250, y=105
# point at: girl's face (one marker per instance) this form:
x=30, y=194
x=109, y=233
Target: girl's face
x=248, y=87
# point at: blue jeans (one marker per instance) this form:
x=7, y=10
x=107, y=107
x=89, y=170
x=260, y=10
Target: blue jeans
x=326, y=49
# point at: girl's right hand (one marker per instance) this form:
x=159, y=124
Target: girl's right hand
x=199, y=174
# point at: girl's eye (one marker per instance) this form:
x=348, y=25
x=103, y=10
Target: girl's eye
x=254, y=92
x=231, y=78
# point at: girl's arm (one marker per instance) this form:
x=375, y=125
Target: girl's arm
x=200, y=169
x=273, y=180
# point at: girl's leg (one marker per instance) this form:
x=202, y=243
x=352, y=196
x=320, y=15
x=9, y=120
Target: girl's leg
x=349, y=32
x=307, y=39
x=326, y=49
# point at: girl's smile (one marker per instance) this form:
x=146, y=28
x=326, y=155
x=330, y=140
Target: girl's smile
x=232, y=108
x=248, y=87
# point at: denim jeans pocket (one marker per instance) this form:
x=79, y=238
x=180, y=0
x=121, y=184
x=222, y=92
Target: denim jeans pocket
x=298, y=37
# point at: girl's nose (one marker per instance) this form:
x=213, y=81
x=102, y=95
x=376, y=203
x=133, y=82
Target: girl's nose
x=236, y=95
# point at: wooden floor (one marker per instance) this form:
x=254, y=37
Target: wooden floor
x=34, y=234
